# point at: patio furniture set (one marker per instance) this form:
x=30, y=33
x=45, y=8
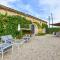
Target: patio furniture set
x=9, y=42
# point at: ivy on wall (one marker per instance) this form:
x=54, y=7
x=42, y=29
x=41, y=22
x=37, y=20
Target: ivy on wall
x=44, y=25
x=38, y=25
x=9, y=24
x=41, y=26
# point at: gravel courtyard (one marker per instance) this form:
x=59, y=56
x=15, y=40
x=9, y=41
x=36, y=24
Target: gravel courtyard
x=39, y=48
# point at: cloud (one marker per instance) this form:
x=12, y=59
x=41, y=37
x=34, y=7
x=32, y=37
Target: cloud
x=51, y=6
x=26, y=8
x=6, y=2
x=50, y=3
x=38, y=8
x=19, y=5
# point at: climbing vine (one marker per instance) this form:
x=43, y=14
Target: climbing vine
x=9, y=24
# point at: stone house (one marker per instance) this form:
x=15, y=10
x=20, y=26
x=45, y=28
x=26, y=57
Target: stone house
x=34, y=20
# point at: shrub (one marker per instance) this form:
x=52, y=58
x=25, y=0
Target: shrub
x=40, y=34
x=51, y=30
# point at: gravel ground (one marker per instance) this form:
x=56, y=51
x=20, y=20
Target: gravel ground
x=39, y=48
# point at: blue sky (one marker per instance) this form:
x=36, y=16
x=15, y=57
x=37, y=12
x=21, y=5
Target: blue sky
x=38, y=8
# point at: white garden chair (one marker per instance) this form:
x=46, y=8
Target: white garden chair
x=4, y=47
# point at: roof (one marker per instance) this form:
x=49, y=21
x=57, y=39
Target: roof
x=56, y=24
x=18, y=12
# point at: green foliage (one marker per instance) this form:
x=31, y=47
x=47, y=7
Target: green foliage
x=44, y=25
x=39, y=26
x=40, y=34
x=9, y=24
x=51, y=30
